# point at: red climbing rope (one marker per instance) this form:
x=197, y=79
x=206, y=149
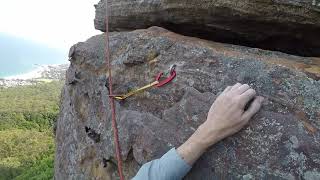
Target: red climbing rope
x=111, y=100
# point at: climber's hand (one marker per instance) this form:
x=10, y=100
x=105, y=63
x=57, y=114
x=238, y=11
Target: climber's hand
x=226, y=116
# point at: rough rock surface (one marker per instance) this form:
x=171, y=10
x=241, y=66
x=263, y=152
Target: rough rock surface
x=281, y=142
x=290, y=26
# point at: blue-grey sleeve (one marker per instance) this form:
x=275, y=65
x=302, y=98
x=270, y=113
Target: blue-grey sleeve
x=169, y=167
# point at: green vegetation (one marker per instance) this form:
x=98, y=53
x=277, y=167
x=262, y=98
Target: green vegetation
x=27, y=115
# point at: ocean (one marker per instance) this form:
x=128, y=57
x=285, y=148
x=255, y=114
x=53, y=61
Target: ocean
x=16, y=67
x=19, y=56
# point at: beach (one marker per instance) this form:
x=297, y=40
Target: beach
x=40, y=74
x=42, y=71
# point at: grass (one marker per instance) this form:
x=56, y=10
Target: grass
x=27, y=115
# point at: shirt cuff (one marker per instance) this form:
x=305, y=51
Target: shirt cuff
x=172, y=158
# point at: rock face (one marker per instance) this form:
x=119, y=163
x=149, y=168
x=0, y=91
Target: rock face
x=290, y=26
x=281, y=142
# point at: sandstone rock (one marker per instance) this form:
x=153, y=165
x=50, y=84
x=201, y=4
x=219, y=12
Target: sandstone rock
x=280, y=142
x=285, y=25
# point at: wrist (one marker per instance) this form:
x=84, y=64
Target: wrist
x=206, y=136
x=198, y=141
x=197, y=144
x=193, y=148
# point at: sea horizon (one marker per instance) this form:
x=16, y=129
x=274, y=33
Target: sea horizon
x=29, y=73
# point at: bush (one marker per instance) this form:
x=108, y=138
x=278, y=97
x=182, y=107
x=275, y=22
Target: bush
x=27, y=115
x=21, y=149
x=30, y=107
x=42, y=170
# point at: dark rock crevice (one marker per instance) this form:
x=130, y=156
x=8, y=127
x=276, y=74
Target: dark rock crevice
x=92, y=134
x=302, y=44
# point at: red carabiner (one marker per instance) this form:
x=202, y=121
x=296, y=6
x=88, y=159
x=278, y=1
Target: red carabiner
x=168, y=79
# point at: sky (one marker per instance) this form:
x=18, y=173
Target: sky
x=54, y=23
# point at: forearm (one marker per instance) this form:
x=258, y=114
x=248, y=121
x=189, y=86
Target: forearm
x=169, y=166
x=175, y=164
x=196, y=145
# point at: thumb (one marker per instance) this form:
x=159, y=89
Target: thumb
x=253, y=109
